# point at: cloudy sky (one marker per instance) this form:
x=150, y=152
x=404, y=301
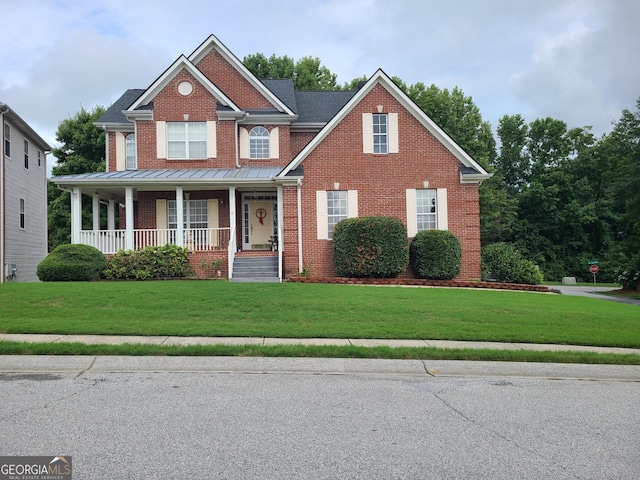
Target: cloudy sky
x=574, y=60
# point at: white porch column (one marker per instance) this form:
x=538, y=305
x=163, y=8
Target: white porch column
x=232, y=224
x=76, y=214
x=280, y=200
x=111, y=215
x=96, y=212
x=128, y=206
x=180, y=217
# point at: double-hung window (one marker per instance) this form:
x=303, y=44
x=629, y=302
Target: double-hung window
x=259, y=143
x=195, y=214
x=39, y=158
x=380, y=131
x=130, y=149
x=426, y=209
x=186, y=140
x=22, y=214
x=336, y=209
x=26, y=154
x=7, y=140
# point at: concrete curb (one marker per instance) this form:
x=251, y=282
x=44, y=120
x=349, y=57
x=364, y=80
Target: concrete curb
x=429, y=369
x=263, y=341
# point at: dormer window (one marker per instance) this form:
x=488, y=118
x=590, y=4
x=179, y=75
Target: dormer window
x=259, y=143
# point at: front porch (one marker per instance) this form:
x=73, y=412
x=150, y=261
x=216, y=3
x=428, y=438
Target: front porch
x=110, y=242
x=214, y=213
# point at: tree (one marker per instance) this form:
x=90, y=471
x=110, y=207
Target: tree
x=273, y=67
x=460, y=117
x=513, y=165
x=307, y=73
x=82, y=150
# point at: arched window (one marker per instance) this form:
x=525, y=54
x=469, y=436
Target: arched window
x=130, y=142
x=259, y=143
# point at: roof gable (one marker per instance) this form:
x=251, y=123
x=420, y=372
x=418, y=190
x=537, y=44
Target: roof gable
x=212, y=43
x=182, y=63
x=381, y=78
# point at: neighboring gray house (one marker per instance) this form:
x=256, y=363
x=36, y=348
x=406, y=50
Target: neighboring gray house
x=23, y=198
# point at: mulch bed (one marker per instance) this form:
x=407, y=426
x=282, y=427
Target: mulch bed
x=422, y=283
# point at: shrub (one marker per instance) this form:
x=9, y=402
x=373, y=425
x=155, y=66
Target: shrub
x=436, y=255
x=629, y=275
x=505, y=263
x=168, y=261
x=370, y=247
x=71, y=263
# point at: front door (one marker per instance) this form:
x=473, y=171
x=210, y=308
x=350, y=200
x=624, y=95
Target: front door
x=258, y=223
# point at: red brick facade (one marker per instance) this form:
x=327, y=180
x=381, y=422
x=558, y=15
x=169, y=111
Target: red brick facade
x=381, y=180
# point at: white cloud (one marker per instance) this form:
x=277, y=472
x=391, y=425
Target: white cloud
x=571, y=60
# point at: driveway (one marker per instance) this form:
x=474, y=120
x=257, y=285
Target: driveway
x=594, y=292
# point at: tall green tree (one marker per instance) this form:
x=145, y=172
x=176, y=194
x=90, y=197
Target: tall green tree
x=513, y=163
x=81, y=150
x=460, y=117
x=307, y=73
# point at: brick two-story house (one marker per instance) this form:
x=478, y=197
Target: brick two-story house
x=230, y=166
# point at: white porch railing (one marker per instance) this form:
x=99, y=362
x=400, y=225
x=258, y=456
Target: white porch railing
x=195, y=239
x=107, y=241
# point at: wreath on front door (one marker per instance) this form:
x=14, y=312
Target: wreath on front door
x=261, y=213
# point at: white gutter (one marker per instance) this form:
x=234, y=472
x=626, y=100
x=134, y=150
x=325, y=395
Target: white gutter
x=3, y=109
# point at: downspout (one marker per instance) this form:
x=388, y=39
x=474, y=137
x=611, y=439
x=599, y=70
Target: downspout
x=106, y=148
x=300, y=266
x=237, y=122
x=3, y=109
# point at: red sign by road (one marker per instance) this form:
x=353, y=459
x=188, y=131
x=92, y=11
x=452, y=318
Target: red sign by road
x=593, y=268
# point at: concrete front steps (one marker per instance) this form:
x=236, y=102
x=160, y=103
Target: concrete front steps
x=255, y=269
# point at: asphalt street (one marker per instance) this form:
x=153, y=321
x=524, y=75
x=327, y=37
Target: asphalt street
x=136, y=418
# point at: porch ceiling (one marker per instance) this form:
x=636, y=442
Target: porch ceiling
x=111, y=184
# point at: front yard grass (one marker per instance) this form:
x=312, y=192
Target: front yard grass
x=296, y=310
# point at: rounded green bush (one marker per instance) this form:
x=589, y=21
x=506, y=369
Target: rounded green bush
x=168, y=261
x=71, y=263
x=370, y=247
x=505, y=263
x=436, y=255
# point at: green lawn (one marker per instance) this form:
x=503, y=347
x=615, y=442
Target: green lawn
x=219, y=308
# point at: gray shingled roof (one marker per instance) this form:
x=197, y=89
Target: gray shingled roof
x=321, y=106
x=283, y=89
x=114, y=112
x=310, y=106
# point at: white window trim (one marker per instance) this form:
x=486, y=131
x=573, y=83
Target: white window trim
x=134, y=165
x=26, y=154
x=162, y=143
x=392, y=133
x=442, y=214
x=267, y=137
x=7, y=140
x=23, y=217
x=322, y=217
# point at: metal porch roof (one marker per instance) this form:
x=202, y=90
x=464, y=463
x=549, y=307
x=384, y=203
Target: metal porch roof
x=186, y=175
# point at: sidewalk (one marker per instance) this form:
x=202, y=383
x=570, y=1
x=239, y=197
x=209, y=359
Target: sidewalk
x=264, y=341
